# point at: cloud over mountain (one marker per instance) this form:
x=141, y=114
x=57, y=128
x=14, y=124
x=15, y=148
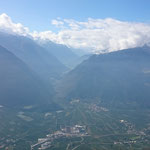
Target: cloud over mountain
x=93, y=35
x=7, y=25
x=100, y=34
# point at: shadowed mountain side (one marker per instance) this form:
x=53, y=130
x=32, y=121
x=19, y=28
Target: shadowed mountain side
x=35, y=56
x=117, y=77
x=19, y=84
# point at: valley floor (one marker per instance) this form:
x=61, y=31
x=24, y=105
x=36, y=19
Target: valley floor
x=78, y=126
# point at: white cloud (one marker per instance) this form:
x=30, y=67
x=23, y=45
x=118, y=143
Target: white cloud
x=6, y=25
x=93, y=35
x=99, y=35
x=57, y=22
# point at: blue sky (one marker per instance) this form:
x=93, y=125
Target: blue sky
x=91, y=25
x=37, y=14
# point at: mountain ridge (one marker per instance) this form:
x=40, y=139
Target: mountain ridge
x=19, y=84
x=35, y=56
x=113, y=77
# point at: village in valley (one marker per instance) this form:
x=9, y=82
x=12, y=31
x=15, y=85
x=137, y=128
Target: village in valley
x=73, y=132
x=67, y=132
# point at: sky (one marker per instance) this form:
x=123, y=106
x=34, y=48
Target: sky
x=68, y=21
x=37, y=14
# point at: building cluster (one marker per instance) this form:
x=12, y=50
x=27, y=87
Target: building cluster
x=96, y=108
x=6, y=142
x=77, y=129
x=131, y=128
x=68, y=131
x=75, y=101
x=126, y=142
x=45, y=145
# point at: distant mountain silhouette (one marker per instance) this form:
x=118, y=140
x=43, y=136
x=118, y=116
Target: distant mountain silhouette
x=62, y=52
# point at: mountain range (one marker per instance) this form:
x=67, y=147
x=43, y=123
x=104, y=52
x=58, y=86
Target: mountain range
x=36, y=57
x=114, y=78
x=49, y=91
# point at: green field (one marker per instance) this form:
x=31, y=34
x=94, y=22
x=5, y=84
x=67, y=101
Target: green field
x=105, y=129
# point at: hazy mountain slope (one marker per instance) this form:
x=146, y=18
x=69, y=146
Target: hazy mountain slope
x=18, y=84
x=122, y=76
x=42, y=62
x=62, y=52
